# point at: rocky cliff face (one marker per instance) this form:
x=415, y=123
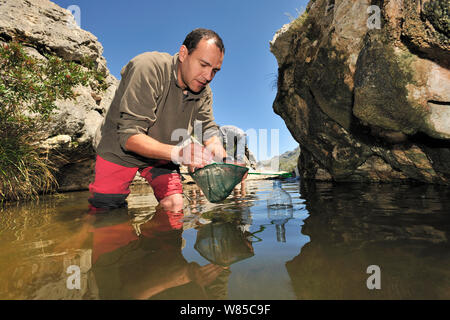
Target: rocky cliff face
x=44, y=27
x=364, y=87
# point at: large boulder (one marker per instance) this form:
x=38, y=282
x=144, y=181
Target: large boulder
x=45, y=28
x=368, y=101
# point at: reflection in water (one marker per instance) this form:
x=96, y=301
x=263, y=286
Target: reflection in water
x=223, y=243
x=140, y=265
x=279, y=217
x=120, y=257
x=403, y=229
x=238, y=249
x=279, y=205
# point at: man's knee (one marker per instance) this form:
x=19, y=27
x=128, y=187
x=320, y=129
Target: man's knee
x=108, y=201
x=173, y=202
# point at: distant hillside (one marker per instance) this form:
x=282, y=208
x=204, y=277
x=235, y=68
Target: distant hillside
x=287, y=161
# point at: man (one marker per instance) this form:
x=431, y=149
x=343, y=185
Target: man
x=158, y=96
x=235, y=144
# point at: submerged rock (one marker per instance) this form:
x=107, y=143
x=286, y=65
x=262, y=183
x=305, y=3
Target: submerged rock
x=364, y=87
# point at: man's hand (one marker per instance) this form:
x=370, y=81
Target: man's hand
x=206, y=274
x=242, y=165
x=214, y=144
x=194, y=156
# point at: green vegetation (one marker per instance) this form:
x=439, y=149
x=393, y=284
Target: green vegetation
x=437, y=12
x=300, y=20
x=28, y=91
x=287, y=161
x=288, y=165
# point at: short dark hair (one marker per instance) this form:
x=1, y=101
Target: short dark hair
x=194, y=37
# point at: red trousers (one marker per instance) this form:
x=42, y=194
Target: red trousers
x=112, y=182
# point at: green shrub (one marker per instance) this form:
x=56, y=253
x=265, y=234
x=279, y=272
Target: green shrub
x=28, y=91
x=288, y=165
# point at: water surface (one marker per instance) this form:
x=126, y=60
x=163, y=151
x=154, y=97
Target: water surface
x=238, y=249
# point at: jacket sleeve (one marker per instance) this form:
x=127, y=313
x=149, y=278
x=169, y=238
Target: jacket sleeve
x=205, y=115
x=139, y=100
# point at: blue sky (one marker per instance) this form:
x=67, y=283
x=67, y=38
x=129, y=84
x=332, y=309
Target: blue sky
x=243, y=89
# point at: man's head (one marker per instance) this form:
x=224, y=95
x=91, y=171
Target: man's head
x=200, y=56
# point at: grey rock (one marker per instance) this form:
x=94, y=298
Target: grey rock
x=49, y=28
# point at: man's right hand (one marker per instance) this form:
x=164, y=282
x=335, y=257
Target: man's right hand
x=194, y=156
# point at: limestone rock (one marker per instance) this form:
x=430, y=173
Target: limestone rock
x=49, y=28
x=367, y=101
x=43, y=27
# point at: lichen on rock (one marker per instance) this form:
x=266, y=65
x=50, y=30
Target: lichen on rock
x=381, y=94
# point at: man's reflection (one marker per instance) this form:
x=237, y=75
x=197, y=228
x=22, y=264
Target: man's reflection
x=196, y=199
x=141, y=260
x=240, y=192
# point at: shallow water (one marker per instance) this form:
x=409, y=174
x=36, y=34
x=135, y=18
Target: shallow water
x=238, y=249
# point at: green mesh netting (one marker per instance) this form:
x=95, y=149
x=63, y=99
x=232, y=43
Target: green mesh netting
x=222, y=243
x=218, y=180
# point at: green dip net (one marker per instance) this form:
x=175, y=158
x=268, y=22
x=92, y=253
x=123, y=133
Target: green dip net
x=218, y=180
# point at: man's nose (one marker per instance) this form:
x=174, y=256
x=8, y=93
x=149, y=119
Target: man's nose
x=208, y=75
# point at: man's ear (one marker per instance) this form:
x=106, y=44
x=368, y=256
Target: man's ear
x=183, y=53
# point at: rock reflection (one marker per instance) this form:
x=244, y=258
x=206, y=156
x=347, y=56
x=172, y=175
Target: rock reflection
x=403, y=229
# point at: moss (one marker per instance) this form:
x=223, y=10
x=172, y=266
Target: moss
x=331, y=92
x=425, y=32
x=404, y=61
x=437, y=12
x=381, y=80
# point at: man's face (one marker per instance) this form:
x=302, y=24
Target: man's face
x=198, y=68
